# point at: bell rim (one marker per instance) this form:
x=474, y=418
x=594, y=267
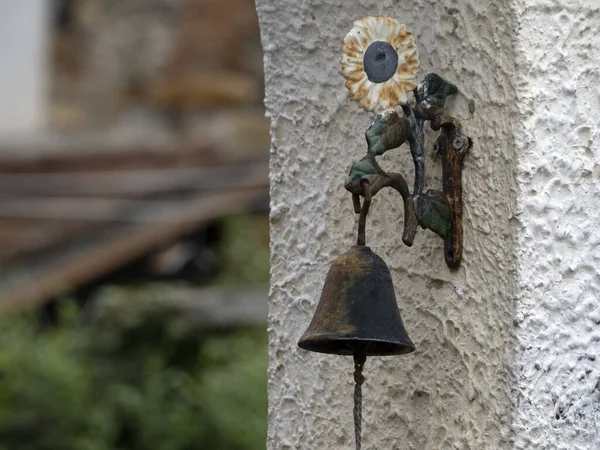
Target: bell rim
x=312, y=344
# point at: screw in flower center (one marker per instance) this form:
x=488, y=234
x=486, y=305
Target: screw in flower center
x=380, y=62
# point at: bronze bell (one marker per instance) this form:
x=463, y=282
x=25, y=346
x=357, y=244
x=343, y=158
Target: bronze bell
x=357, y=312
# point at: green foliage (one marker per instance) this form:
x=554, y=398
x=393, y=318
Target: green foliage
x=138, y=376
x=244, y=255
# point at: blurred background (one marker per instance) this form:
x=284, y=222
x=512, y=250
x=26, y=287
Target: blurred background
x=133, y=225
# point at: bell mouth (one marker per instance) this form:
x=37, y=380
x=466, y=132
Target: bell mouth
x=335, y=345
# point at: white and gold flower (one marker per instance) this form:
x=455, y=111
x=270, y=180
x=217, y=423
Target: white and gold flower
x=379, y=63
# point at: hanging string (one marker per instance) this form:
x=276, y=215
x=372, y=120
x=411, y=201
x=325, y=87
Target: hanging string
x=359, y=379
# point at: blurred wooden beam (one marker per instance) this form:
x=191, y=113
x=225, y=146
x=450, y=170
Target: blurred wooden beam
x=116, y=251
x=127, y=182
x=93, y=153
x=210, y=89
x=222, y=306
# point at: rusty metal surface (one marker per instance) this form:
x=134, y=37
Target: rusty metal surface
x=438, y=211
x=357, y=309
x=453, y=146
x=357, y=313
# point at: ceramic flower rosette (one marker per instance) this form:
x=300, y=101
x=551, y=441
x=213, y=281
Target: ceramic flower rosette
x=380, y=62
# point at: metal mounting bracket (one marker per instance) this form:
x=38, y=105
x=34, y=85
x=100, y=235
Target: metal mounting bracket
x=438, y=211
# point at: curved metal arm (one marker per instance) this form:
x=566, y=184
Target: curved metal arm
x=416, y=141
x=397, y=182
x=440, y=212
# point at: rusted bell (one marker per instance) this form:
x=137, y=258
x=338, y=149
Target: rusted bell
x=357, y=311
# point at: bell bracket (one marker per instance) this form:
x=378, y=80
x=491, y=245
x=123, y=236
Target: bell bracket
x=357, y=313
x=438, y=211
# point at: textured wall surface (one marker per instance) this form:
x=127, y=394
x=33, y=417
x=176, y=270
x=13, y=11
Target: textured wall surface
x=558, y=319
x=454, y=391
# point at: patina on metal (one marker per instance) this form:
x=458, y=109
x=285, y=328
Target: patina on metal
x=438, y=211
x=357, y=310
x=453, y=146
x=357, y=313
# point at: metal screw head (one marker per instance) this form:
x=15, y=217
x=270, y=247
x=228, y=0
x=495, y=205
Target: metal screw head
x=380, y=61
x=458, y=142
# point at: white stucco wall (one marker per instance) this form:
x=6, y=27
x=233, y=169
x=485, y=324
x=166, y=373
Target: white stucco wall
x=507, y=346
x=557, y=367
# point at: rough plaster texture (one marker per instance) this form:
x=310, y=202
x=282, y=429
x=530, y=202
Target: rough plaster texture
x=508, y=347
x=557, y=365
x=453, y=392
